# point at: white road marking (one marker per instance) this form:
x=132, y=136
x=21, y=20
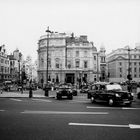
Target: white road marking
x=76, y=101
x=2, y=110
x=42, y=100
x=102, y=107
x=124, y=108
x=15, y=99
x=131, y=126
x=130, y=108
x=62, y=112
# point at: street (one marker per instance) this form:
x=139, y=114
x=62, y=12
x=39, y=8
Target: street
x=51, y=119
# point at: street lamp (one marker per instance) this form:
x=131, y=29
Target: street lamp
x=129, y=77
x=47, y=31
x=97, y=66
x=20, y=80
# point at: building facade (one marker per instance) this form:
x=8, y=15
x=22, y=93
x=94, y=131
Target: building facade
x=122, y=62
x=70, y=59
x=102, y=59
x=4, y=65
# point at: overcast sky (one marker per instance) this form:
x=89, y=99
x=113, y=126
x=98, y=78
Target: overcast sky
x=114, y=23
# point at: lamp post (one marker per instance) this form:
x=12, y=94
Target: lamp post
x=20, y=80
x=129, y=74
x=97, y=67
x=47, y=49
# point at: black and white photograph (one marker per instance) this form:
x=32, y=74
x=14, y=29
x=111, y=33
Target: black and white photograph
x=69, y=69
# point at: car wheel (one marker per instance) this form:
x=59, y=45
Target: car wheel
x=70, y=97
x=92, y=99
x=110, y=102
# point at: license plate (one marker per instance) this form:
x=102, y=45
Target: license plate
x=64, y=96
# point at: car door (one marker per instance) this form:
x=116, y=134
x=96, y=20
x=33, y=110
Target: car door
x=102, y=93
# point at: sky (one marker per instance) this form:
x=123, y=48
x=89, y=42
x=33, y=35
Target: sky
x=112, y=23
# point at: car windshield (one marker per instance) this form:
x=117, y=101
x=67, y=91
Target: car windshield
x=113, y=87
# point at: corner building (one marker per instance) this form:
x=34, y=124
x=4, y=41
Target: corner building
x=122, y=61
x=70, y=59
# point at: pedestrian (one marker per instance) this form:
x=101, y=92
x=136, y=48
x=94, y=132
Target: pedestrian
x=30, y=91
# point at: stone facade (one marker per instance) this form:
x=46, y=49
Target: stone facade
x=118, y=64
x=4, y=64
x=70, y=59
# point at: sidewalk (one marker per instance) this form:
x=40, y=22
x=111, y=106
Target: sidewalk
x=37, y=94
x=17, y=94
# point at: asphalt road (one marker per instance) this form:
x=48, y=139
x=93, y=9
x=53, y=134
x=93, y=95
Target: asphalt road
x=51, y=119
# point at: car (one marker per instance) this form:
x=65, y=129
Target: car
x=110, y=93
x=64, y=91
x=7, y=85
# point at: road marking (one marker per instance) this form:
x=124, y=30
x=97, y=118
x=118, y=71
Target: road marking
x=124, y=108
x=62, y=112
x=2, y=110
x=102, y=107
x=42, y=100
x=131, y=126
x=130, y=108
x=15, y=99
x=78, y=101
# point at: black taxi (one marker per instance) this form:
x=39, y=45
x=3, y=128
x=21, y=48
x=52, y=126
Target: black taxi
x=110, y=93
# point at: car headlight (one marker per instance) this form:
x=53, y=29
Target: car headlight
x=117, y=95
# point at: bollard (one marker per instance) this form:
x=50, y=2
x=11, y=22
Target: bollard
x=30, y=93
x=46, y=92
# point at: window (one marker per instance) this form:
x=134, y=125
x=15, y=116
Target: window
x=77, y=53
x=135, y=69
x=135, y=63
x=94, y=57
x=135, y=75
x=77, y=63
x=120, y=63
x=135, y=56
x=49, y=62
x=85, y=64
x=120, y=69
x=69, y=64
x=120, y=75
x=2, y=60
x=57, y=62
x=85, y=53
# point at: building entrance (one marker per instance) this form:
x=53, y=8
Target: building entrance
x=70, y=78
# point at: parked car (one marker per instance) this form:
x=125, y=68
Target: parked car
x=7, y=85
x=64, y=91
x=110, y=93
